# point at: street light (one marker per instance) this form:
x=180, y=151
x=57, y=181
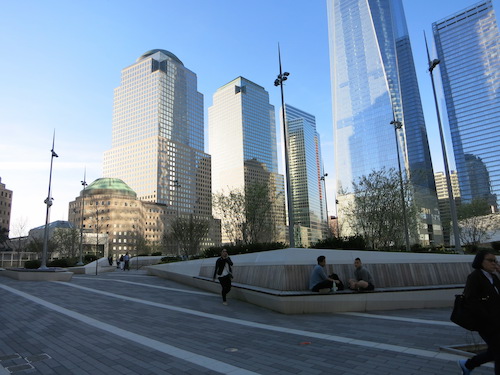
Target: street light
x=322, y=178
x=48, y=202
x=397, y=126
x=453, y=210
x=279, y=82
x=84, y=184
x=177, y=185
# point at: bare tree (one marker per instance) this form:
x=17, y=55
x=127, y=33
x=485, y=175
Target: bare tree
x=259, y=225
x=19, y=230
x=66, y=241
x=247, y=216
x=476, y=224
x=189, y=232
x=376, y=211
x=230, y=208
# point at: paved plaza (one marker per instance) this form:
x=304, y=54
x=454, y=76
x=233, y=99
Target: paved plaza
x=130, y=323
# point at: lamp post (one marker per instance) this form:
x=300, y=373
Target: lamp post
x=322, y=178
x=177, y=185
x=48, y=202
x=397, y=126
x=84, y=184
x=97, y=228
x=453, y=210
x=283, y=76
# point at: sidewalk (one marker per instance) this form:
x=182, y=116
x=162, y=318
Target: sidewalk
x=130, y=323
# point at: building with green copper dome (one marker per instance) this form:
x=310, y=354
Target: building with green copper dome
x=108, y=206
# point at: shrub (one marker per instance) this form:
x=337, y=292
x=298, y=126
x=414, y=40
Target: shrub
x=65, y=262
x=170, y=259
x=156, y=254
x=495, y=246
x=87, y=258
x=32, y=264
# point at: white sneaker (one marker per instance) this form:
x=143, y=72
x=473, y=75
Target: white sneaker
x=224, y=303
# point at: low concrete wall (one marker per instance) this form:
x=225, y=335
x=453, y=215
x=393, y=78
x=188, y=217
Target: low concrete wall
x=296, y=277
x=38, y=275
x=418, y=280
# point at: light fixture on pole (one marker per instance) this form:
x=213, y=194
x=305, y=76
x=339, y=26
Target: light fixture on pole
x=48, y=202
x=397, y=126
x=84, y=184
x=283, y=76
x=177, y=185
x=453, y=209
x=322, y=178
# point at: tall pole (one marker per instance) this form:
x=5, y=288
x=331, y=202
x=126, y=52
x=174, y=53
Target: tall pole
x=84, y=183
x=279, y=82
x=399, y=125
x=48, y=202
x=453, y=209
x=177, y=185
x=322, y=178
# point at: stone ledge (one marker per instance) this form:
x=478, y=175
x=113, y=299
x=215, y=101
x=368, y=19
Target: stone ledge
x=38, y=275
x=306, y=302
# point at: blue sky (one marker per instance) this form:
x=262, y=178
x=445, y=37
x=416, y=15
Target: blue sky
x=61, y=61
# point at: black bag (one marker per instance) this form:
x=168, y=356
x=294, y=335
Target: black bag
x=463, y=315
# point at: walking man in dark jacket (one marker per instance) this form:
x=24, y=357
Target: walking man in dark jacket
x=224, y=271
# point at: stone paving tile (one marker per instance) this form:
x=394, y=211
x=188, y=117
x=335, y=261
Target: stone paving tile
x=79, y=348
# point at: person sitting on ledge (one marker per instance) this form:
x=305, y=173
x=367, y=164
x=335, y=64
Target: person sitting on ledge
x=319, y=279
x=363, y=279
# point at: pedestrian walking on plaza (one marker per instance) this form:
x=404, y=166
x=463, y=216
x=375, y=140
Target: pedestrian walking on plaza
x=110, y=260
x=224, y=272
x=126, y=260
x=482, y=295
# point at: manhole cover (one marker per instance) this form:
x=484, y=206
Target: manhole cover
x=231, y=350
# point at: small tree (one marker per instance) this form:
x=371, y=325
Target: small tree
x=376, y=211
x=4, y=236
x=247, y=216
x=230, y=208
x=189, y=232
x=142, y=245
x=475, y=223
x=66, y=241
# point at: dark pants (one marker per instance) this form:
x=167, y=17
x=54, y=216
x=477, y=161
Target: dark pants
x=225, y=282
x=492, y=339
x=127, y=265
x=323, y=285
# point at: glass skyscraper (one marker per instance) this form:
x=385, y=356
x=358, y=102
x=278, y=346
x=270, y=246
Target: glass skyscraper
x=157, y=137
x=373, y=83
x=306, y=173
x=242, y=141
x=468, y=46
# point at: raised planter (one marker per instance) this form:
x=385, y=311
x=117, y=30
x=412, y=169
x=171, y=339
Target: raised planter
x=50, y=274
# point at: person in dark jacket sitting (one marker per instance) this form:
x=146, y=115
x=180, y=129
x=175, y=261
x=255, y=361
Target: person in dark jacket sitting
x=482, y=294
x=224, y=272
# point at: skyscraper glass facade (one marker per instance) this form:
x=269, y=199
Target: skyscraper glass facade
x=242, y=140
x=373, y=83
x=306, y=172
x=468, y=46
x=157, y=137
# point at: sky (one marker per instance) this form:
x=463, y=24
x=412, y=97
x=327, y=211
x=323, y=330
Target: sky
x=61, y=61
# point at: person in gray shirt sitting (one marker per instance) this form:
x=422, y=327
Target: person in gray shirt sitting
x=363, y=280
x=319, y=279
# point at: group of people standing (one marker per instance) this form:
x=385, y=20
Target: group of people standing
x=123, y=262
